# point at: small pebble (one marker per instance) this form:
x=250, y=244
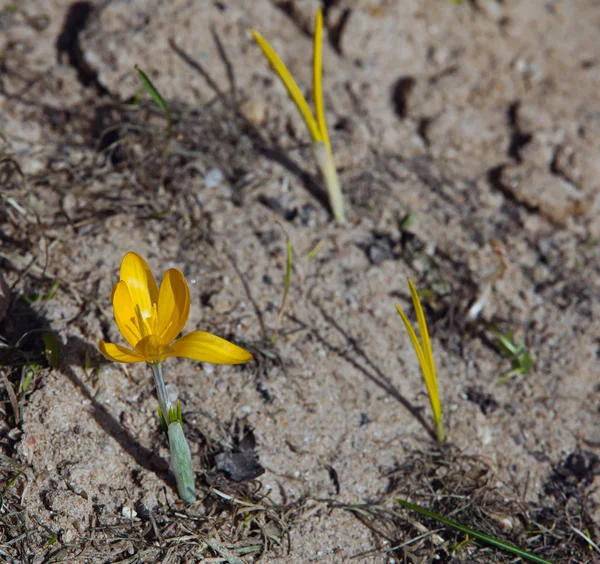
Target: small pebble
x=15, y=434
x=254, y=111
x=213, y=177
x=221, y=385
x=128, y=512
x=379, y=251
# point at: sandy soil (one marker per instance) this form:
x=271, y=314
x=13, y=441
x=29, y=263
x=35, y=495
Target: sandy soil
x=479, y=120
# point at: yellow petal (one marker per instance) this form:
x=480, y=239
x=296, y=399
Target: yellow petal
x=173, y=305
x=117, y=353
x=207, y=347
x=125, y=313
x=142, y=287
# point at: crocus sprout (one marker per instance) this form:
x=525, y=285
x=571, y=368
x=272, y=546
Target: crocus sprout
x=316, y=126
x=425, y=357
x=150, y=320
x=158, y=99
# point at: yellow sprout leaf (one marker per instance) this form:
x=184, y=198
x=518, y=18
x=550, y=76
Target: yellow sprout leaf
x=317, y=83
x=284, y=74
x=425, y=357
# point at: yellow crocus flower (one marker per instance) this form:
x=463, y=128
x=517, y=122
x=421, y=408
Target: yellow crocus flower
x=150, y=320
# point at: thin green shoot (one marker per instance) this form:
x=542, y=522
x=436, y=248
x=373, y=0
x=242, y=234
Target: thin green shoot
x=28, y=374
x=314, y=251
x=286, y=287
x=31, y=298
x=89, y=368
x=267, y=354
x=407, y=221
x=163, y=422
x=158, y=99
x=425, y=357
x=466, y=541
x=317, y=126
x=516, y=350
x=156, y=96
x=586, y=537
x=174, y=416
x=237, y=501
x=497, y=543
x=87, y=361
x=160, y=214
x=51, y=541
x=52, y=291
x=14, y=402
x=51, y=349
x=589, y=243
x=12, y=480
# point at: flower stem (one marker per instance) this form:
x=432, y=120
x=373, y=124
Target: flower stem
x=181, y=457
x=161, y=389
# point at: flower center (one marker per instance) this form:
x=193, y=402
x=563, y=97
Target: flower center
x=153, y=349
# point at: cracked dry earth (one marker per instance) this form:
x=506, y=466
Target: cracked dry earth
x=481, y=121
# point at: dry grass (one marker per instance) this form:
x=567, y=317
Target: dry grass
x=465, y=489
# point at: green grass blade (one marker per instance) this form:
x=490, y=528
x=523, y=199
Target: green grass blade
x=52, y=291
x=507, y=344
x=163, y=421
x=51, y=349
x=502, y=545
x=29, y=373
x=160, y=102
x=286, y=288
x=288, y=267
x=12, y=480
